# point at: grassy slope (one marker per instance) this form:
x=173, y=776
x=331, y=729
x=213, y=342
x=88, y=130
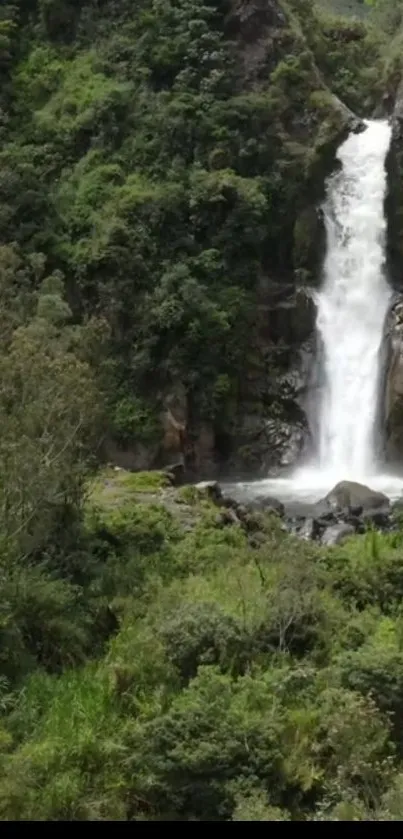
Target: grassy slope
x=237, y=684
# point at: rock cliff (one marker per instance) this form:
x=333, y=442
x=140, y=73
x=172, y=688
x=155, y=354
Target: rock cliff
x=168, y=161
x=268, y=427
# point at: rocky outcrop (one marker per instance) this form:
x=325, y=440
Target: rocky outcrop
x=266, y=34
x=331, y=527
x=330, y=522
x=302, y=123
x=392, y=415
x=174, y=422
x=348, y=509
x=257, y=27
x=393, y=392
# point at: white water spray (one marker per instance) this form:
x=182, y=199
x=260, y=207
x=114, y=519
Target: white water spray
x=352, y=305
x=351, y=310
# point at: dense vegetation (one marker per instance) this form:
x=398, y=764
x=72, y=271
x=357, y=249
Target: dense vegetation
x=159, y=659
x=151, y=158
x=176, y=665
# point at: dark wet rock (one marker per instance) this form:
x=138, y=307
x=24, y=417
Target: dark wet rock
x=210, y=489
x=175, y=473
x=378, y=518
x=355, y=522
x=293, y=525
x=392, y=350
x=266, y=504
x=321, y=511
x=310, y=530
x=287, y=440
x=229, y=517
x=393, y=390
x=348, y=494
x=231, y=503
x=326, y=521
x=334, y=526
x=337, y=533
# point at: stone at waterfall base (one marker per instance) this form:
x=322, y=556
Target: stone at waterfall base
x=348, y=494
x=349, y=508
x=337, y=533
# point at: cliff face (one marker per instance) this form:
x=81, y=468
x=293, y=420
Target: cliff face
x=393, y=411
x=167, y=161
x=301, y=125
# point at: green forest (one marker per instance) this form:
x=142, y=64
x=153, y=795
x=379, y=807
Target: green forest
x=162, y=656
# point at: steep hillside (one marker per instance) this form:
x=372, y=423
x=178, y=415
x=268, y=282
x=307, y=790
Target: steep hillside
x=191, y=662
x=165, y=161
x=168, y=653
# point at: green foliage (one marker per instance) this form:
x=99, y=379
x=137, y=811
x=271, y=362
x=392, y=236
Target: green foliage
x=239, y=683
x=348, y=52
x=164, y=185
x=160, y=658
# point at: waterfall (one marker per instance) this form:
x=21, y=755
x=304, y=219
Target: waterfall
x=352, y=305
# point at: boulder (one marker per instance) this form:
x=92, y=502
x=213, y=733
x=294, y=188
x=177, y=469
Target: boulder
x=377, y=518
x=356, y=522
x=210, y=489
x=309, y=530
x=393, y=391
x=267, y=504
x=175, y=473
x=322, y=511
x=348, y=494
x=337, y=533
x=227, y=517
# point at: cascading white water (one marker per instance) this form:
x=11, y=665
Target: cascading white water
x=352, y=305
x=351, y=308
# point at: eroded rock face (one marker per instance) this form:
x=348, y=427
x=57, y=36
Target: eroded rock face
x=174, y=422
x=256, y=26
x=268, y=429
x=393, y=342
x=393, y=398
x=394, y=199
